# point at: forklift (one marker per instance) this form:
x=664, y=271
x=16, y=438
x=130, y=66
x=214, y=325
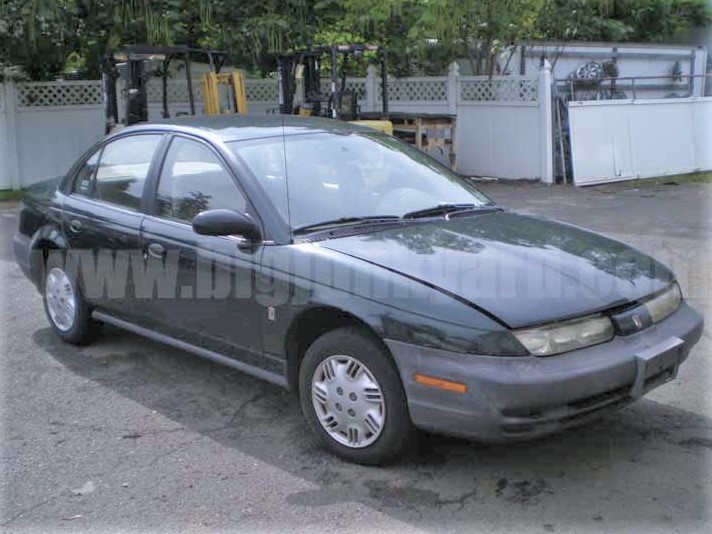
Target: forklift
x=125, y=80
x=300, y=90
x=300, y=93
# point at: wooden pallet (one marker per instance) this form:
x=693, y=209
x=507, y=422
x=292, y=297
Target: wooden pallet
x=427, y=132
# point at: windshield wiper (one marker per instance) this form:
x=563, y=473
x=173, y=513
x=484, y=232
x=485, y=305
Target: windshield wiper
x=343, y=221
x=440, y=209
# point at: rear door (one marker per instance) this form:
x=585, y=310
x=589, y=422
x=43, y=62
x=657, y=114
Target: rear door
x=201, y=288
x=102, y=220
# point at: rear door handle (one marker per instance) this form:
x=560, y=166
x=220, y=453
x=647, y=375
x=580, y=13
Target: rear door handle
x=75, y=225
x=156, y=250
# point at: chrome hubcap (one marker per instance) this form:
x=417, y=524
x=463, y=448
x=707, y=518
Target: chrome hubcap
x=348, y=401
x=61, y=301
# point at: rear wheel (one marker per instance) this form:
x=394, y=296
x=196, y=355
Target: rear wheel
x=64, y=304
x=352, y=396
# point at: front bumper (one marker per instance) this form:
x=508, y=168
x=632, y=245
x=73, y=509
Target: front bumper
x=523, y=397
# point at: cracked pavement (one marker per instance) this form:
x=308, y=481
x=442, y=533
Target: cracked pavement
x=173, y=443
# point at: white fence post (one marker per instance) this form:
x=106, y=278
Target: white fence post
x=453, y=75
x=371, y=88
x=5, y=181
x=697, y=85
x=546, y=134
x=12, y=165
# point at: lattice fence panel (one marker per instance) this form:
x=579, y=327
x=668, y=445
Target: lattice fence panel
x=257, y=91
x=53, y=94
x=416, y=90
x=508, y=90
x=154, y=92
x=176, y=90
x=262, y=90
x=357, y=86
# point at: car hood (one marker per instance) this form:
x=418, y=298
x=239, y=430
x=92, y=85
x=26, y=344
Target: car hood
x=521, y=269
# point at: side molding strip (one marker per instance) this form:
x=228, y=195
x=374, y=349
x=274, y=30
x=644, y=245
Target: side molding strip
x=204, y=353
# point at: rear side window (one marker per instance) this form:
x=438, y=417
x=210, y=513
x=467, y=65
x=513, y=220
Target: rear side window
x=194, y=179
x=123, y=168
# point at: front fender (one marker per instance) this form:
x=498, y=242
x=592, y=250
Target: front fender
x=391, y=305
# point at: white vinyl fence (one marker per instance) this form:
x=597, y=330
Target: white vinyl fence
x=504, y=127
x=46, y=126
x=503, y=123
x=624, y=139
x=6, y=173
x=417, y=95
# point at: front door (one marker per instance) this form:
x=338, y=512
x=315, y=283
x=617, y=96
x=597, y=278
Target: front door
x=204, y=285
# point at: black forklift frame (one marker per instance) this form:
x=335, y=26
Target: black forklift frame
x=311, y=59
x=132, y=54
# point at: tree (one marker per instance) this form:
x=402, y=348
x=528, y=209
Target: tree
x=35, y=35
x=48, y=38
x=620, y=20
x=475, y=29
x=481, y=30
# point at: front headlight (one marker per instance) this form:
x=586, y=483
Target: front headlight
x=566, y=336
x=664, y=304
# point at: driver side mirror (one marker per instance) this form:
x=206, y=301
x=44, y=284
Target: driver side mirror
x=226, y=222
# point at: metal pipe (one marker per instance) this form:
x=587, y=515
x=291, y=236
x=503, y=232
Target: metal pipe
x=164, y=85
x=334, y=77
x=384, y=82
x=189, y=79
x=535, y=51
x=640, y=77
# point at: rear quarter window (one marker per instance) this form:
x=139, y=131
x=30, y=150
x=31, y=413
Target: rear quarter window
x=84, y=179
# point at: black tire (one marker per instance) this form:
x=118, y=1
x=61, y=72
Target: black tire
x=397, y=430
x=83, y=329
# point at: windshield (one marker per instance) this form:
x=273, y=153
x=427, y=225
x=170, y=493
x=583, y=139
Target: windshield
x=328, y=176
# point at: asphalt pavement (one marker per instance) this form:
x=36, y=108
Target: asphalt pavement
x=128, y=435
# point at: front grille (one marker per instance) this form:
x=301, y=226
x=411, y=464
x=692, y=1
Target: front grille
x=516, y=428
x=526, y=412
x=530, y=419
x=619, y=403
x=605, y=397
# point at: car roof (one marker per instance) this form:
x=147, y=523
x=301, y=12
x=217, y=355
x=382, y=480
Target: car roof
x=236, y=127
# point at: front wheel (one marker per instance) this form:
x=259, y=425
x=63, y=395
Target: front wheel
x=352, y=396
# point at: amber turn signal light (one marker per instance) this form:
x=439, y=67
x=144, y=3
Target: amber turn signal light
x=439, y=383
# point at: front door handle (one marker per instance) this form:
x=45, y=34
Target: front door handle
x=156, y=250
x=75, y=225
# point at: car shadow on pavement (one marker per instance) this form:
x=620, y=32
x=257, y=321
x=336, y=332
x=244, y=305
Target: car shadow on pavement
x=614, y=470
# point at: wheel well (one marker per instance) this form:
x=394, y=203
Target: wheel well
x=307, y=327
x=40, y=253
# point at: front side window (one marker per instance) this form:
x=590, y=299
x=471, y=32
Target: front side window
x=193, y=179
x=324, y=176
x=123, y=168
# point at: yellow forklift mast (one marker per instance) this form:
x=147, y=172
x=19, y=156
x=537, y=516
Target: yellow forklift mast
x=224, y=93
x=126, y=73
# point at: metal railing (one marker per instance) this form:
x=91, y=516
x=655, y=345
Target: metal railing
x=617, y=88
